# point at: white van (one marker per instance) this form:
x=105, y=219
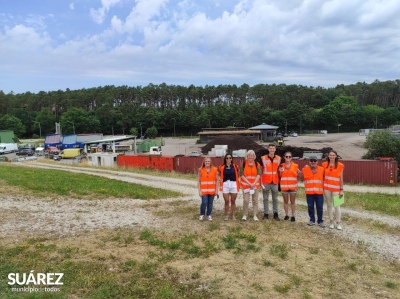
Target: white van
x=6, y=148
x=39, y=151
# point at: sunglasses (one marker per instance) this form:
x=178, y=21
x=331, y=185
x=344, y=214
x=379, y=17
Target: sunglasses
x=288, y=156
x=313, y=160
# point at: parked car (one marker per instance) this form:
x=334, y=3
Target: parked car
x=285, y=135
x=195, y=154
x=51, y=150
x=294, y=134
x=25, y=151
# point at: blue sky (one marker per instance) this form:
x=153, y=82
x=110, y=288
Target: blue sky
x=49, y=45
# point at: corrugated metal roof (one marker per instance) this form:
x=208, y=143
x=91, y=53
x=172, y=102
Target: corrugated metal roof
x=264, y=126
x=52, y=138
x=69, y=139
x=88, y=137
x=229, y=132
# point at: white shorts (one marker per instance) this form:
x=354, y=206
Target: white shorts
x=229, y=187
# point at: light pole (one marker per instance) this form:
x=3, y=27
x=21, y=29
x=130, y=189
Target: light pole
x=40, y=128
x=286, y=127
x=338, y=126
x=141, y=133
x=73, y=125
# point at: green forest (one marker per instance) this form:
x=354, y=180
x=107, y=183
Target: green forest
x=185, y=110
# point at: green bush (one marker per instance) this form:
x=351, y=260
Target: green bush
x=382, y=144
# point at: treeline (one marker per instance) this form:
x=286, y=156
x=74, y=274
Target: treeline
x=184, y=110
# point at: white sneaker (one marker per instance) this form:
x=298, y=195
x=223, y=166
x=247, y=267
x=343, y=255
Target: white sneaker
x=332, y=226
x=255, y=218
x=244, y=218
x=226, y=218
x=201, y=218
x=209, y=218
x=339, y=227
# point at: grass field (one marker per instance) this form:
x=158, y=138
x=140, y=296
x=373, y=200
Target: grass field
x=192, y=259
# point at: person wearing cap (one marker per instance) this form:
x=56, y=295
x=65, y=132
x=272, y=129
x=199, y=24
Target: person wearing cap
x=250, y=174
x=313, y=177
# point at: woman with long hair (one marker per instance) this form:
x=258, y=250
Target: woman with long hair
x=333, y=186
x=289, y=173
x=207, y=185
x=229, y=184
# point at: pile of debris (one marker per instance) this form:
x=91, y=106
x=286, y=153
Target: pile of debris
x=237, y=142
x=234, y=142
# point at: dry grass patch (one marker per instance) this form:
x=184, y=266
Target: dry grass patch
x=216, y=260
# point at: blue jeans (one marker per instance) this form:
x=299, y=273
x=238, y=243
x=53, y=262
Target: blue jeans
x=206, y=202
x=318, y=200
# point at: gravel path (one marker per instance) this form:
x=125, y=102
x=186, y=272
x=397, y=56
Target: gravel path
x=49, y=216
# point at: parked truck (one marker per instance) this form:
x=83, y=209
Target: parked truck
x=6, y=148
x=155, y=150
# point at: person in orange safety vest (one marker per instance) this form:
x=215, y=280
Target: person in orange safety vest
x=313, y=177
x=270, y=180
x=250, y=173
x=289, y=173
x=333, y=185
x=207, y=185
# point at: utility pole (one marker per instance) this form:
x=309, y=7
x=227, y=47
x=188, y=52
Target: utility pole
x=40, y=128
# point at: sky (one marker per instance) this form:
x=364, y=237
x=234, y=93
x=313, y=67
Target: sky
x=48, y=45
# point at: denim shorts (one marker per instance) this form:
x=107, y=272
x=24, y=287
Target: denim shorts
x=229, y=187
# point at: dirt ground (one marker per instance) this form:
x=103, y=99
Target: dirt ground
x=342, y=261
x=348, y=145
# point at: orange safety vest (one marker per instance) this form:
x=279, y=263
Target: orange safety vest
x=313, y=182
x=208, y=181
x=250, y=172
x=289, y=177
x=221, y=175
x=332, y=177
x=270, y=170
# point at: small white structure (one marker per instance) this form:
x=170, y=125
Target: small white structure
x=103, y=159
x=39, y=151
x=219, y=150
x=239, y=153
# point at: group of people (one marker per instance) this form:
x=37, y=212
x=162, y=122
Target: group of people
x=276, y=175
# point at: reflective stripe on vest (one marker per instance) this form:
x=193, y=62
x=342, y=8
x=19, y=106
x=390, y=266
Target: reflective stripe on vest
x=289, y=177
x=332, y=177
x=250, y=172
x=208, y=182
x=313, y=182
x=270, y=170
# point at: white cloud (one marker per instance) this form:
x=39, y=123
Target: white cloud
x=72, y=6
x=98, y=15
x=308, y=42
